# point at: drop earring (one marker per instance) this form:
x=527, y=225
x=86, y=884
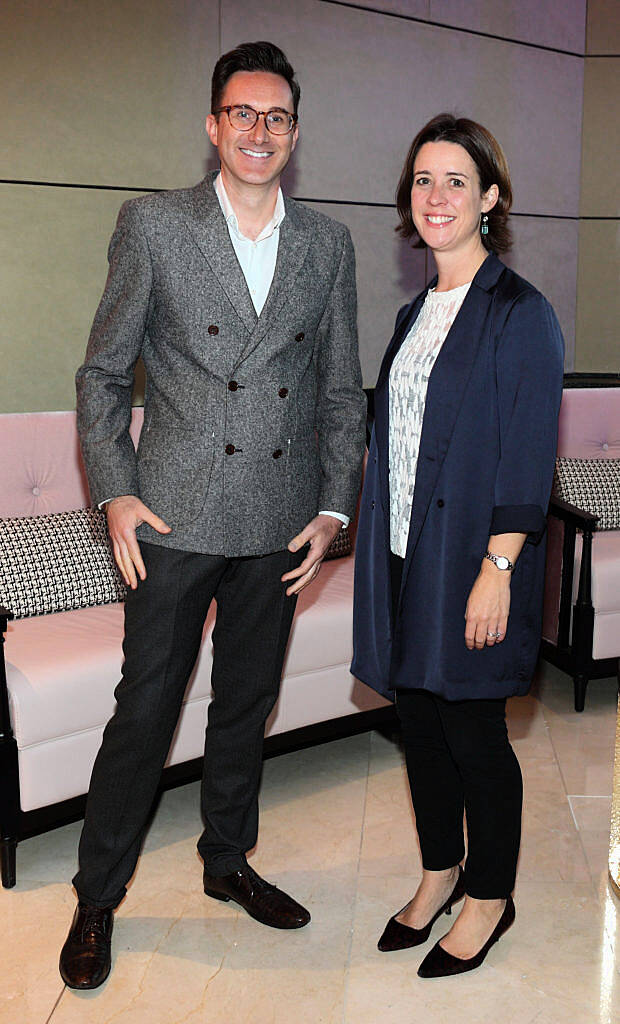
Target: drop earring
x=484, y=229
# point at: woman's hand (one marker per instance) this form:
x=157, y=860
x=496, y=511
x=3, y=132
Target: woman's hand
x=486, y=615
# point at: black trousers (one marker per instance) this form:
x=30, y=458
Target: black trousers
x=164, y=621
x=459, y=759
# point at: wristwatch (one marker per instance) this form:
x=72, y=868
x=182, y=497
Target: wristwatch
x=500, y=561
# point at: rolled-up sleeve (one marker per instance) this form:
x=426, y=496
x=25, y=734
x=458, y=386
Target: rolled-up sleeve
x=530, y=362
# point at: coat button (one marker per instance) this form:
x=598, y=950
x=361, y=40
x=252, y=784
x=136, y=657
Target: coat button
x=300, y=336
x=230, y=449
x=283, y=392
x=277, y=453
x=232, y=385
x=440, y=503
x=213, y=329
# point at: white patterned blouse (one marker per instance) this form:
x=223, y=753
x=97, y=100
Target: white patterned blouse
x=409, y=377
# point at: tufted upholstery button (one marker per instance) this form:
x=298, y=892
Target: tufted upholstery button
x=230, y=449
x=440, y=503
x=213, y=329
x=300, y=336
x=283, y=392
x=232, y=385
x=36, y=491
x=605, y=446
x=277, y=453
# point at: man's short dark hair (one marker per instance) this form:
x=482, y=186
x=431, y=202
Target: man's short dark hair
x=261, y=56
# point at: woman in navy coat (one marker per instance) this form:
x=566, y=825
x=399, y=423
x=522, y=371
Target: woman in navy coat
x=450, y=547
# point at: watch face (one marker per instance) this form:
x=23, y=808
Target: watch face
x=502, y=562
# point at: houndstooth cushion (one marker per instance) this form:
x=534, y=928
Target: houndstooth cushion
x=57, y=562
x=593, y=485
x=340, y=547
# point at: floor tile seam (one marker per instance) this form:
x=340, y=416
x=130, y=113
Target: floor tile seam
x=55, y=1006
x=593, y=881
x=347, y=969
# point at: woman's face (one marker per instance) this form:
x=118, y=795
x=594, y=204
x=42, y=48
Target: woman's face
x=446, y=203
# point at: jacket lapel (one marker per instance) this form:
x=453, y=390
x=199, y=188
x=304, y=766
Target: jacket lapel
x=210, y=232
x=446, y=388
x=293, y=246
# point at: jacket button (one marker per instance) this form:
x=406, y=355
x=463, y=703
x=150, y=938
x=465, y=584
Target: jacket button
x=213, y=329
x=277, y=453
x=440, y=503
x=300, y=336
x=283, y=392
x=372, y=504
x=230, y=449
x=232, y=385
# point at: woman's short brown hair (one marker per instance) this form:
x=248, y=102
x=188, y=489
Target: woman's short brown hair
x=490, y=162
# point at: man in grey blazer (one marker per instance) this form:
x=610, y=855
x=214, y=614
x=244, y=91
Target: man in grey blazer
x=242, y=306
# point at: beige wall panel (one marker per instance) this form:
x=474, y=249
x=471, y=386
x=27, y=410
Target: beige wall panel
x=598, y=302
x=53, y=251
x=600, y=182
x=389, y=273
x=106, y=93
x=545, y=22
x=545, y=253
x=369, y=82
x=603, y=32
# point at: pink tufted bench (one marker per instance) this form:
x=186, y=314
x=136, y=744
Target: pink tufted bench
x=61, y=668
x=581, y=621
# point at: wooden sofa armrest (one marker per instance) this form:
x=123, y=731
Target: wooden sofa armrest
x=572, y=515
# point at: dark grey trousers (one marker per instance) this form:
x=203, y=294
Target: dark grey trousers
x=164, y=621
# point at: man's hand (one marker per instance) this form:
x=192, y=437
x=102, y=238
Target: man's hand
x=124, y=515
x=319, y=533
x=487, y=609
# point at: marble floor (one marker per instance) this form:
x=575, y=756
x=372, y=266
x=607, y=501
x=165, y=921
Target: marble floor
x=337, y=832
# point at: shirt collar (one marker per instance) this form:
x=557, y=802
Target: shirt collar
x=231, y=218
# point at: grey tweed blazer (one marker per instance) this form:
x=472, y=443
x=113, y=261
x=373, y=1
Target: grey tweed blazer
x=251, y=424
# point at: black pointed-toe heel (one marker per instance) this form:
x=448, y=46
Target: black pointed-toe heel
x=440, y=964
x=401, y=936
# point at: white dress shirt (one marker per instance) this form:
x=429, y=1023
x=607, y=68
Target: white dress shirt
x=257, y=257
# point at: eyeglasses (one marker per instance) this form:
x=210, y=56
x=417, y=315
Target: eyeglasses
x=243, y=118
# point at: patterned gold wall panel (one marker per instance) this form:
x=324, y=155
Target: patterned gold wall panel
x=53, y=256
x=112, y=92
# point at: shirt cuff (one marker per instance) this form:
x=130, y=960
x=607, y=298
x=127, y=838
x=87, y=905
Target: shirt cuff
x=337, y=515
x=102, y=504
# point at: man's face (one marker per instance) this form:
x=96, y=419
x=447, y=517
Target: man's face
x=256, y=157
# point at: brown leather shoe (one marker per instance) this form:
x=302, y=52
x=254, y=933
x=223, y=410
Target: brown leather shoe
x=85, y=959
x=263, y=901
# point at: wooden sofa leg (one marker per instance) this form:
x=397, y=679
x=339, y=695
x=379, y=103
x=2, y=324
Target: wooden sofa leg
x=8, y=850
x=9, y=773
x=580, y=682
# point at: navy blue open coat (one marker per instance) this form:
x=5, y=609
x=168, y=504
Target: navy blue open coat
x=485, y=466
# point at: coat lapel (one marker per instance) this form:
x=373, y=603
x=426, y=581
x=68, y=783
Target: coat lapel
x=209, y=229
x=446, y=388
x=292, y=249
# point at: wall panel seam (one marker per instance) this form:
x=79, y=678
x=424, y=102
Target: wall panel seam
x=299, y=199
x=454, y=28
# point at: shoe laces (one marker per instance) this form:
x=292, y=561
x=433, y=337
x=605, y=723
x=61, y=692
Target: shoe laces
x=92, y=923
